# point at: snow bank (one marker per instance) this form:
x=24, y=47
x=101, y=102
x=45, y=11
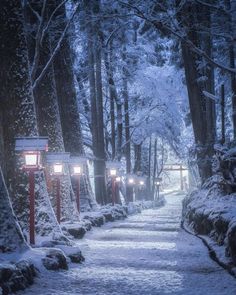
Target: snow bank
x=138, y=206
x=14, y=277
x=107, y=213
x=213, y=215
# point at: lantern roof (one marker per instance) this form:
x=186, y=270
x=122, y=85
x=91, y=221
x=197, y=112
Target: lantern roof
x=58, y=157
x=113, y=164
x=78, y=160
x=37, y=143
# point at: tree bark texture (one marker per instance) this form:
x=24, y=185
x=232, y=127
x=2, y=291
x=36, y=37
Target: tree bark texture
x=19, y=119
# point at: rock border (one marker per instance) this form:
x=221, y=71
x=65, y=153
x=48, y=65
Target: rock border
x=216, y=228
x=106, y=214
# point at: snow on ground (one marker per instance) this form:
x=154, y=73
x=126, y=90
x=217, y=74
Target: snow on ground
x=145, y=254
x=212, y=216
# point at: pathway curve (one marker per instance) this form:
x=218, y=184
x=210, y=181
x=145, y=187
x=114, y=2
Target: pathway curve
x=146, y=254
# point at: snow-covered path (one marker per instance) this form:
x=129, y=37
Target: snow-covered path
x=144, y=254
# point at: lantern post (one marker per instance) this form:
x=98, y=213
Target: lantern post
x=76, y=167
x=31, y=147
x=158, y=183
x=131, y=183
x=113, y=173
x=113, y=169
x=57, y=163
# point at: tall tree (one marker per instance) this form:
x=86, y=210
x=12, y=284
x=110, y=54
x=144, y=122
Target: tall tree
x=47, y=109
x=68, y=105
x=94, y=48
x=11, y=236
x=195, y=94
x=19, y=119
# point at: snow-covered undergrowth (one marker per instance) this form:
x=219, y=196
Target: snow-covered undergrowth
x=212, y=214
x=18, y=269
x=105, y=214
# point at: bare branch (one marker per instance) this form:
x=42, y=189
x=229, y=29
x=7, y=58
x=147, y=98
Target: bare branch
x=37, y=42
x=113, y=33
x=55, y=51
x=215, y=7
x=50, y=19
x=34, y=11
x=163, y=27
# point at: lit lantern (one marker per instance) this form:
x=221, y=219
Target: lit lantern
x=158, y=183
x=131, y=180
x=77, y=170
x=113, y=172
x=76, y=165
x=118, y=179
x=32, y=160
x=31, y=147
x=58, y=169
x=113, y=167
x=57, y=162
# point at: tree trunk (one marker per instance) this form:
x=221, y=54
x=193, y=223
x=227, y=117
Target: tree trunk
x=154, y=168
x=96, y=100
x=208, y=71
x=49, y=122
x=112, y=99
x=69, y=112
x=101, y=167
x=116, y=144
x=137, y=157
x=19, y=119
x=127, y=123
x=11, y=237
x=230, y=8
x=149, y=191
x=196, y=100
x=222, y=103
x=129, y=190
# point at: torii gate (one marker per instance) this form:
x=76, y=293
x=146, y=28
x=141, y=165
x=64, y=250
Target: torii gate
x=176, y=167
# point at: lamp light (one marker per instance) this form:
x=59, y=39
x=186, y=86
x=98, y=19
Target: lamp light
x=58, y=168
x=113, y=172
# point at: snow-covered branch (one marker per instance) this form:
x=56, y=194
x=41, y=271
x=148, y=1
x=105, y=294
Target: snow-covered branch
x=56, y=49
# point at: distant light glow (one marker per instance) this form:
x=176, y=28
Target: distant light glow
x=118, y=179
x=131, y=181
x=58, y=168
x=141, y=182
x=31, y=159
x=113, y=172
x=77, y=170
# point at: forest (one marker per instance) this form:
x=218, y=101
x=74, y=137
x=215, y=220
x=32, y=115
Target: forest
x=123, y=85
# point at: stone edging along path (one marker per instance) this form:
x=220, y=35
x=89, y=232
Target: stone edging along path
x=210, y=218
x=105, y=214
x=212, y=252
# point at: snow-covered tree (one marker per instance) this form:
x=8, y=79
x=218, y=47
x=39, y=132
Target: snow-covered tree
x=19, y=119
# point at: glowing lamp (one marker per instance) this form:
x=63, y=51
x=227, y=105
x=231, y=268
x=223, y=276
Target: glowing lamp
x=141, y=182
x=77, y=170
x=131, y=181
x=158, y=183
x=32, y=160
x=31, y=148
x=118, y=179
x=58, y=168
x=113, y=172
